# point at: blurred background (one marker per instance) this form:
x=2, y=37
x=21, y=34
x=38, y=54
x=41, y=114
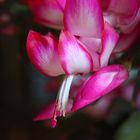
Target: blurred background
x=23, y=91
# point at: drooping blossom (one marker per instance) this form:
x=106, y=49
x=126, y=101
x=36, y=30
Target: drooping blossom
x=72, y=55
x=47, y=56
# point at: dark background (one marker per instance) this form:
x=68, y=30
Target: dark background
x=23, y=90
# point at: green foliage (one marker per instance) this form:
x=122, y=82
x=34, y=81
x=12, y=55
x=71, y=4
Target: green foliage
x=130, y=129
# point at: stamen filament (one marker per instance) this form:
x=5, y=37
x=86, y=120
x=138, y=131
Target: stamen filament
x=62, y=99
x=63, y=94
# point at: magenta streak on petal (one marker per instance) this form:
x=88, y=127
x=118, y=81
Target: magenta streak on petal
x=83, y=18
x=98, y=85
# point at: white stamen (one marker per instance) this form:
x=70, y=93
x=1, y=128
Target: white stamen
x=63, y=94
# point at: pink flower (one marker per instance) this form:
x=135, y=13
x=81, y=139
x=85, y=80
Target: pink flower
x=84, y=46
x=113, y=13
x=53, y=58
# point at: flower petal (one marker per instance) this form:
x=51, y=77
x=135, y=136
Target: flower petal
x=119, y=7
x=98, y=85
x=43, y=53
x=93, y=47
x=111, y=18
x=74, y=57
x=92, y=44
x=126, y=40
x=62, y=3
x=83, y=18
x=46, y=112
x=46, y=12
x=131, y=25
x=126, y=18
x=109, y=40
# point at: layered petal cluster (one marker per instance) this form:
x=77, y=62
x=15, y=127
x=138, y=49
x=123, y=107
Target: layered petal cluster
x=84, y=46
x=86, y=21
x=121, y=15
x=54, y=57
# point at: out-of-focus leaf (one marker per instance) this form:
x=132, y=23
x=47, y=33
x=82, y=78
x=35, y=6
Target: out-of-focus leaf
x=118, y=111
x=130, y=130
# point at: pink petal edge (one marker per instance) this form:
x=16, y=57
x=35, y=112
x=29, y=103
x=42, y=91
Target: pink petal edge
x=42, y=51
x=74, y=57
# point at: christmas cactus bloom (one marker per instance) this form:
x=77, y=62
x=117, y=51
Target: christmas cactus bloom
x=47, y=12
x=96, y=86
x=79, y=50
x=54, y=57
